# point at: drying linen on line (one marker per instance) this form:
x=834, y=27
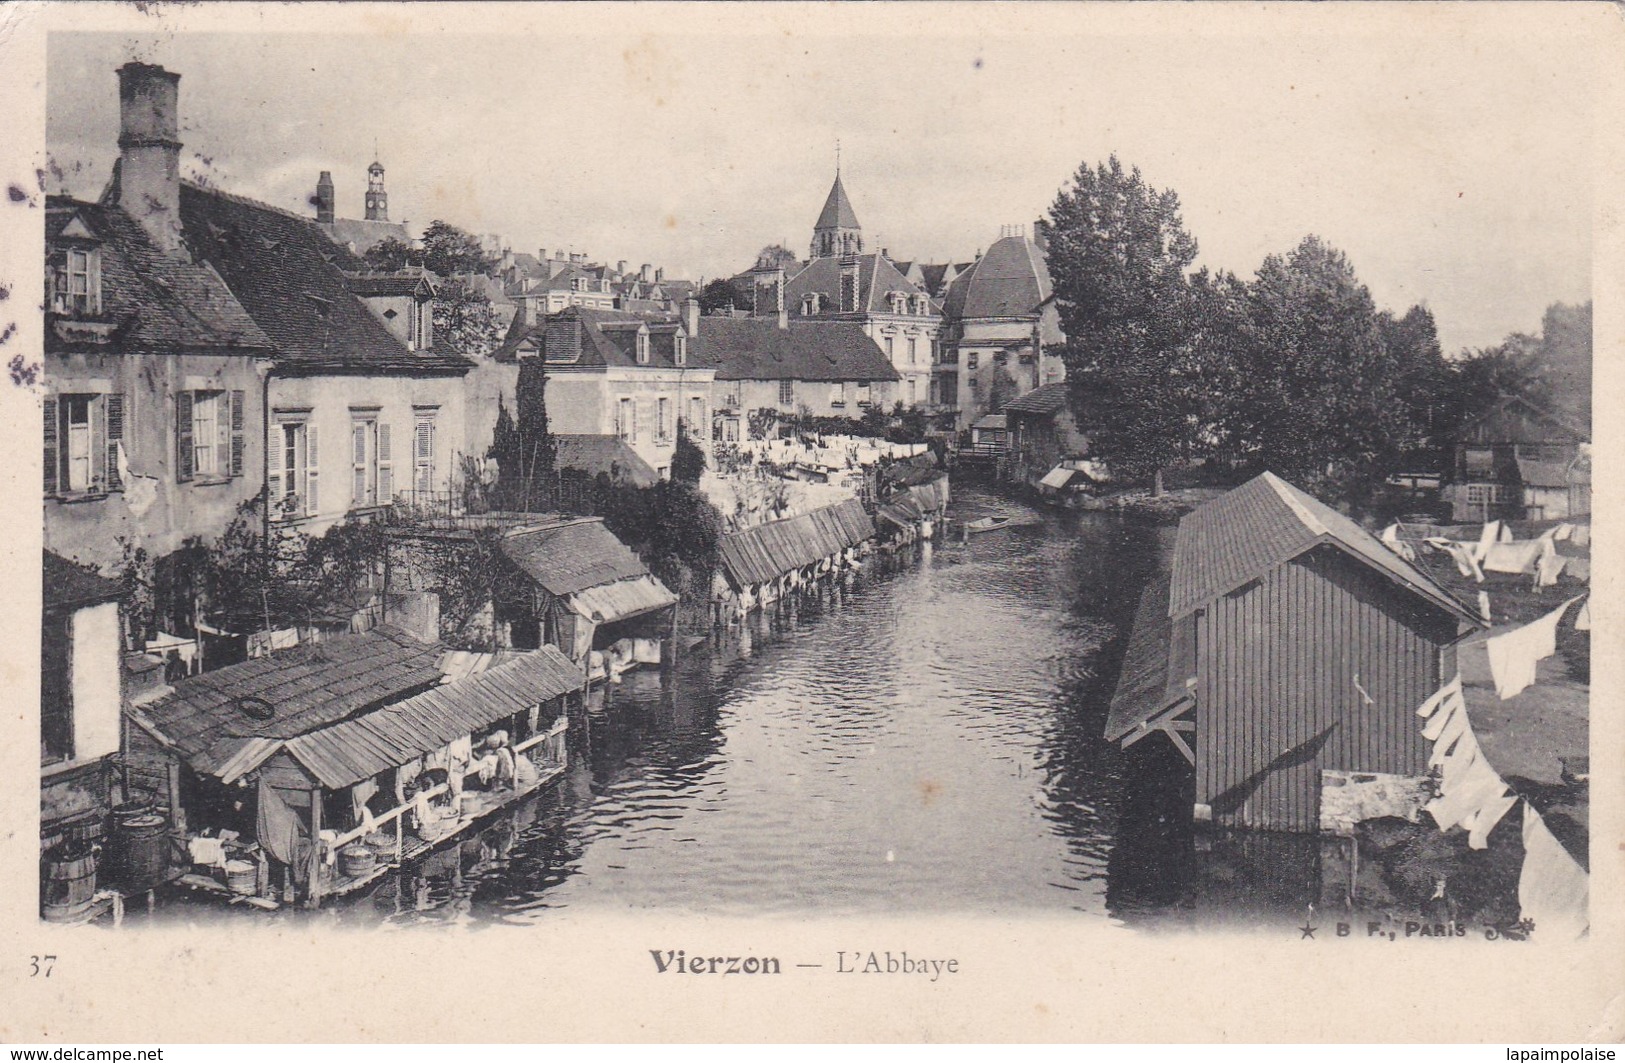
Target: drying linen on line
x=1469, y=792
x=1466, y=563
x=1513, y=557
x=1440, y=697
x=211, y=852
x=1582, y=619
x=1480, y=823
x=1513, y=656
x=1549, y=565
x=1552, y=888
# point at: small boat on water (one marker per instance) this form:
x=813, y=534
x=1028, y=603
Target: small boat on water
x=998, y=521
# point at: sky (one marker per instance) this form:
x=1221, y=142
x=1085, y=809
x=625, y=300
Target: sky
x=1450, y=159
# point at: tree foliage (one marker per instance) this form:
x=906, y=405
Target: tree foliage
x=392, y=254
x=448, y=250
x=464, y=318
x=1118, y=252
x=687, y=460
x=523, y=446
x=721, y=295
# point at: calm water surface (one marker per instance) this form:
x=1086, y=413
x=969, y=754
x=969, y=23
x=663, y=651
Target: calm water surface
x=923, y=739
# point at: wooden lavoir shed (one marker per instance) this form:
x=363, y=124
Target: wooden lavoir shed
x=763, y=563
x=286, y=760
x=1285, y=641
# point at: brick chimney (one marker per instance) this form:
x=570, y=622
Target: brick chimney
x=149, y=181
x=1041, y=234
x=325, y=198
x=691, y=317
x=767, y=289
x=620, y=266
x=646, y=273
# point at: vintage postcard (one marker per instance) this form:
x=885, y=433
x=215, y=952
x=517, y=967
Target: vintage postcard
x=811, y=522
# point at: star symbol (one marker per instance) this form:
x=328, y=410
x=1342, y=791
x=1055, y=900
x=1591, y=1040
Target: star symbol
x=1307, y=930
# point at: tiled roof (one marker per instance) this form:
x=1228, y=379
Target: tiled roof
x=744, y=348
x=400, y=282
x=572, y=556
x=767, y=551
x=352, y=750
x=876, y=277
x=1044, y=400
x=600, y=338
x=1245, y=533
x=932, y=276
x=291, y=279
x=309, y=686
x=837, y=212
x=1010, y=280
x=164, y=301
x=360, y=236
x=610, y=455
x=66, y=585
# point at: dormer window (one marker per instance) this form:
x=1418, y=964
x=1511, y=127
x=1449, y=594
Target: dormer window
x=643, y=348
x=897, y=300
x=922, y=305
x=76, y=282
x=809, y=304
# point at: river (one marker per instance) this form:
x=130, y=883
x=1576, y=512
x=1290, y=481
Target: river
x=924, y=737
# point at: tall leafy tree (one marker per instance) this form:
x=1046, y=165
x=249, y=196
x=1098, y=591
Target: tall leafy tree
x=523, y=446
x=392, y=254
x=721, y=295
x=448, y=250
x=687, y=460
x=1118, y=255
x=1319, y=400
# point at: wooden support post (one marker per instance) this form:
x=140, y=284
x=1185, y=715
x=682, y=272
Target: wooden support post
x=400, y=837
x=177, y=818
x=313, y=893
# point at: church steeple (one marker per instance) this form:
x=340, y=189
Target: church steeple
x=837, y=231
x=377, y=198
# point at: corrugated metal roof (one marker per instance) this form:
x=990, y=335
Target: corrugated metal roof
x=347, y=752
x=767, y=551
x=308, y=686
x=1266, y=522
x=610, y=602
x=572, y=557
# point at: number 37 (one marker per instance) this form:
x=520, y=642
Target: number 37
x=41, y=966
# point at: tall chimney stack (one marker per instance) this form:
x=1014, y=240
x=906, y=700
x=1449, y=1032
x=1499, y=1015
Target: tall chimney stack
x=691, y=317
x=325, y=198
x=149, y=187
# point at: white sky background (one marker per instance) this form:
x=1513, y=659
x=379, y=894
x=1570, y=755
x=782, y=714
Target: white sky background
x=1452, y=165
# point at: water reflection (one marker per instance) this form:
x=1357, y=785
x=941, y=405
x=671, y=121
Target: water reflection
x=916, y=738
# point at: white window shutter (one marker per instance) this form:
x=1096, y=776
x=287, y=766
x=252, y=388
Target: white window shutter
x=386, y=468
x=312, y=503
x=273, y=471
x=358, y=463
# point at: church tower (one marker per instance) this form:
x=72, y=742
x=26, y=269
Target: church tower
x=837, y=231
x=377, y=198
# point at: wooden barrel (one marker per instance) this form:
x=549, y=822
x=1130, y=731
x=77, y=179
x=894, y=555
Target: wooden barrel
x=356, y=861
x=141, y=845
x=70, y=881
x=240, y=876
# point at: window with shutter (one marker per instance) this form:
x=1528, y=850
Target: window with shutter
x=312, y=499
x=53, y=472
x=276, y=459
x=183, y=436
x=423, y=457
x=237, y=416
x=113, y=406
x=358, y=463
x=80, y=462
x=210, y=434
x=386, y=466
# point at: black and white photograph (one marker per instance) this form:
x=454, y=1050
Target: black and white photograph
x=810, y=477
